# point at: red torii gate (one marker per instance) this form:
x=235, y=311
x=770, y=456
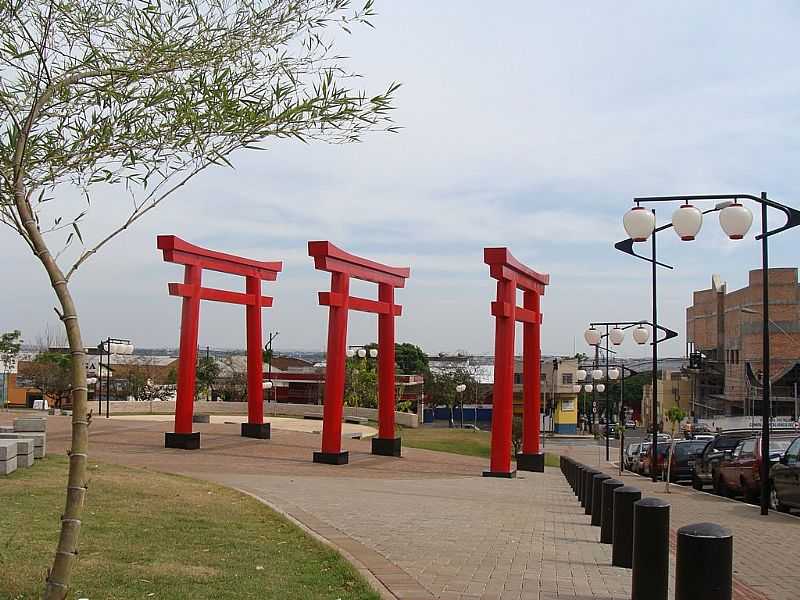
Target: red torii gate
x=342, y=266
x=195, y=260
x=512, y=275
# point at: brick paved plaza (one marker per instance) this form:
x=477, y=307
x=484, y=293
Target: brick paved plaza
x=429, y=526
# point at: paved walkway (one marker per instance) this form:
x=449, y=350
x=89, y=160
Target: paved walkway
x=429, y=526
x=285, y=423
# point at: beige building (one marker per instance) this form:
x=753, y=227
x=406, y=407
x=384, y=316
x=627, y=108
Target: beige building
x=674, y=388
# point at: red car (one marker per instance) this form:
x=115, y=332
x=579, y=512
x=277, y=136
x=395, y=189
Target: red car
x=740, y=474
x=661, y=457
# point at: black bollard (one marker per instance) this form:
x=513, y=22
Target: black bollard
x=704, y=563
x=622, y=538
x=650, y=577
x=597, y=498
x=586, y=496
x=579, y=481
x=607, y=510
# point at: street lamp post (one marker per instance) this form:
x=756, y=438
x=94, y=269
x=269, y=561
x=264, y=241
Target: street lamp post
x=268, y=348
x=109, y=347
x=460, y=391
x=640, y=335
x=735, y=219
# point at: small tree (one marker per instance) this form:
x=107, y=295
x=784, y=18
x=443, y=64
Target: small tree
x=207, y=374
x=50, y=372
x=147, y=95
x=410, y=359
x=10, y=343
x=232, y=381
x=674, y=415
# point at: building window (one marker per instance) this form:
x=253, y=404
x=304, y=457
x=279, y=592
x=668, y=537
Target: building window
x=566, y=378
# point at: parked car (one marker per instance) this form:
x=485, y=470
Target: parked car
x=684, y=456
x=636, y=461
x=648, y=468
x=630, y=424
x=785, y=478
x=741, y=474
x=628, y=456
x=706, y=466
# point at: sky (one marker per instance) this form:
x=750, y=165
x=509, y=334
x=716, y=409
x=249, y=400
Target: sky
x=529, y=125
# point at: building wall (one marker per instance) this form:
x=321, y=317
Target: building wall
x=740, y=339
x=676, y=389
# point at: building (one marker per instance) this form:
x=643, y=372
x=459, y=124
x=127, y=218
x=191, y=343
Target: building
x=726, y=329
x=675, y=388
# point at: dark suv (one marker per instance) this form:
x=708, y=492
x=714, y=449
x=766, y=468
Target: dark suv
x=706, y=466
x=684, y=457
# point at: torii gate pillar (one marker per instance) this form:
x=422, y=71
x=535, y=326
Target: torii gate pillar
x=512, y=275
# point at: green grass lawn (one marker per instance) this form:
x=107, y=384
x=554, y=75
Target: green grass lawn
x=456, y=441
x=150, y=535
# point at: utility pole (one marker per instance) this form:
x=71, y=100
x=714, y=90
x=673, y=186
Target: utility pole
x=268, y=348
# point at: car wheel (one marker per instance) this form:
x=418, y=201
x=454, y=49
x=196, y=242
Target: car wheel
x=697, y=484
x=775, y=502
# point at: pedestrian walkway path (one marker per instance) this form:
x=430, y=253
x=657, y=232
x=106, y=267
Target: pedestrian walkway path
x=429, y=526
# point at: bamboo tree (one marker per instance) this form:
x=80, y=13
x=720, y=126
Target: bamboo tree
x=137, y=98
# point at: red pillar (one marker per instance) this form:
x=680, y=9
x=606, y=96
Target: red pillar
x=503, y=394
x=386, y=444
x=531, y=382
x=255, y=426
x=334, y=374
x=184, y=405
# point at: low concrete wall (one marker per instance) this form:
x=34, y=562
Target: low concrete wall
x=240, y=408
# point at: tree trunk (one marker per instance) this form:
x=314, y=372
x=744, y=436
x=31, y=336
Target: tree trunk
x=58, y=577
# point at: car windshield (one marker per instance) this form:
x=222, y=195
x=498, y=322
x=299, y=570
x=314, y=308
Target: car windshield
x=780, y=445
x=689, y=449
x=727, y=443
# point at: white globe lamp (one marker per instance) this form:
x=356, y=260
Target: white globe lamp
x=373, y=352
x=613, y=373
x=601, y=387
x=616, y=335
x=580, y=374
x=641, y=334
x=592, y=336
x=588, y=388
x=639, y=223
x=362, y=352
x=735, y=220
x=350, y=353
x=577, y=388
x=687, y=221
x=597, y=374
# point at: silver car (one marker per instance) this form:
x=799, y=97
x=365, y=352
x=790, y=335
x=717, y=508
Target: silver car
x=630, y=452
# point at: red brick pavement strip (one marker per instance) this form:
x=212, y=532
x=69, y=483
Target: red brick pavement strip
x=764, y=566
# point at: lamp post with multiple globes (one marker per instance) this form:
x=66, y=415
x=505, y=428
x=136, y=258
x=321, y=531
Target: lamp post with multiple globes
x=615, y=332
x=735, y=219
